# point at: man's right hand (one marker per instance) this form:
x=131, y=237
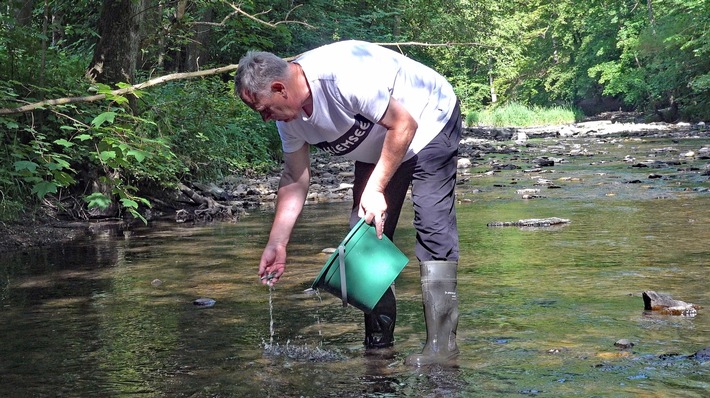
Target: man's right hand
x=272, y=264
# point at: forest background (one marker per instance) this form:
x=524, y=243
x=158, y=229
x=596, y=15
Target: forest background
x=103, y=102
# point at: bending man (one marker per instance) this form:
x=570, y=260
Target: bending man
x=400, y=122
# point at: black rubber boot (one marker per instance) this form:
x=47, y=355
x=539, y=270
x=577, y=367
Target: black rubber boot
x=379, y=324
x=441, y=314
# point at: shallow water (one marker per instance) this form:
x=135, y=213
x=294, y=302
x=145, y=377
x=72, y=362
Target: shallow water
x=540, y=308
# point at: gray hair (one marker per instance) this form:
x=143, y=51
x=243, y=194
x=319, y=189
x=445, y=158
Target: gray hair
x=257, y=69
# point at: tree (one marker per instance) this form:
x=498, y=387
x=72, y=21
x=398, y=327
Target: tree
x=116, y=54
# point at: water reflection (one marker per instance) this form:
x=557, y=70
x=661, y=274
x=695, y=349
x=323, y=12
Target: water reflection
x=540, y=308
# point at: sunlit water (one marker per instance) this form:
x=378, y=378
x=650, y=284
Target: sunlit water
x=540, y=308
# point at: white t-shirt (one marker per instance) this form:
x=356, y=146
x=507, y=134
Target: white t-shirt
x=351, y=83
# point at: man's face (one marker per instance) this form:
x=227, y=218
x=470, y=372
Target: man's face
x=274, y=105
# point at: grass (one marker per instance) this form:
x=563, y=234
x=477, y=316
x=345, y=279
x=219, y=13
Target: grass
x=518, y=115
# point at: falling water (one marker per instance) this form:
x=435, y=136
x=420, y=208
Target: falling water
x=297, y=352
x=271, y=315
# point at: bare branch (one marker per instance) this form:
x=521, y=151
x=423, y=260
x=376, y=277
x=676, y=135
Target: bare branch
x=420, y=44
x=238, y=10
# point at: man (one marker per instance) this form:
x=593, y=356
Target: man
x=400, y=122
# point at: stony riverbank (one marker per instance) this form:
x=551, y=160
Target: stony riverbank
x=332, y=176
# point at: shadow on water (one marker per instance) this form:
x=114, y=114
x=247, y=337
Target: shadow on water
x=540, y=308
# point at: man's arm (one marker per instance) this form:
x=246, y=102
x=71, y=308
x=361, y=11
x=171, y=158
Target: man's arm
x=293, y=188
x=401, y=128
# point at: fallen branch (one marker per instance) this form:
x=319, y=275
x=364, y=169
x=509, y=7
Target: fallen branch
x=122, y=91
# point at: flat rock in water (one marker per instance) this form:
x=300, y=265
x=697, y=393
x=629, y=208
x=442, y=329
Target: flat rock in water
x=204, y=302
x=664, y=304
x=531, y=222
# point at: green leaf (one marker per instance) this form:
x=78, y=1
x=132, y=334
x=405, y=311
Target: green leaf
x=137, y=215
x=26, y=165
x=139, y=155
x=103, y=88
x=106, y=155
x=63, y=179
x=102, y=118
x=11, y=125
x=58, y=164
x=63, y=143
x=120, y=100
x=43, y=188
x=129, y=203
x=97, y=199
x=83, y=137
x=67, y=128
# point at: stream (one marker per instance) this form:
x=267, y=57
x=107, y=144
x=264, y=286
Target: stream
x=113, y=315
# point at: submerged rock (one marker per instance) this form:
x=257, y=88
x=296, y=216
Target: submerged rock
x=702, y=355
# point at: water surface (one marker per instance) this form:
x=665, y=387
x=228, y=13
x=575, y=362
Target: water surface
x=540, y=308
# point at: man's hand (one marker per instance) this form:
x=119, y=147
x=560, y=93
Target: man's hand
x=373, y=207
x=272, y=264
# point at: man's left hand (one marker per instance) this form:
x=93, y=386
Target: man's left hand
x=373, y=208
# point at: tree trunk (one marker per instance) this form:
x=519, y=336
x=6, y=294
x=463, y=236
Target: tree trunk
x=651, y=19
x=117, y=51
x=494, y=96
x=45, y=38
x=23, y=11
x=197, y=53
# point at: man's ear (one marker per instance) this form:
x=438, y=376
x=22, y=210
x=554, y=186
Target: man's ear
x=278, y=87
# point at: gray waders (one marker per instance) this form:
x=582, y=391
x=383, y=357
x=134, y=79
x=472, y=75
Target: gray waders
x=441, y=313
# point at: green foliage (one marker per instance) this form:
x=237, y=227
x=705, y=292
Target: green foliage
x=211, y=132
x=518, y=115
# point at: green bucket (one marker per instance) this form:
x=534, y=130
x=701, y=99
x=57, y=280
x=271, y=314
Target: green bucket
x=362, y=269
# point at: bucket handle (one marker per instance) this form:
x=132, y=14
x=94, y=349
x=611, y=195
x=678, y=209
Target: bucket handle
x=343, y=287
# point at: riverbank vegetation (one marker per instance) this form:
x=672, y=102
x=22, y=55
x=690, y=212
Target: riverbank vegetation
x=516, y=114
x=83, y=138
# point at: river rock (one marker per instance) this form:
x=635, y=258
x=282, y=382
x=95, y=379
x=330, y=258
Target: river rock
x=664, y=304
x=702, y=355
x=463, y=163
x=623, y=344
x=521, y=138
x=544, y=161
x=213, y=190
